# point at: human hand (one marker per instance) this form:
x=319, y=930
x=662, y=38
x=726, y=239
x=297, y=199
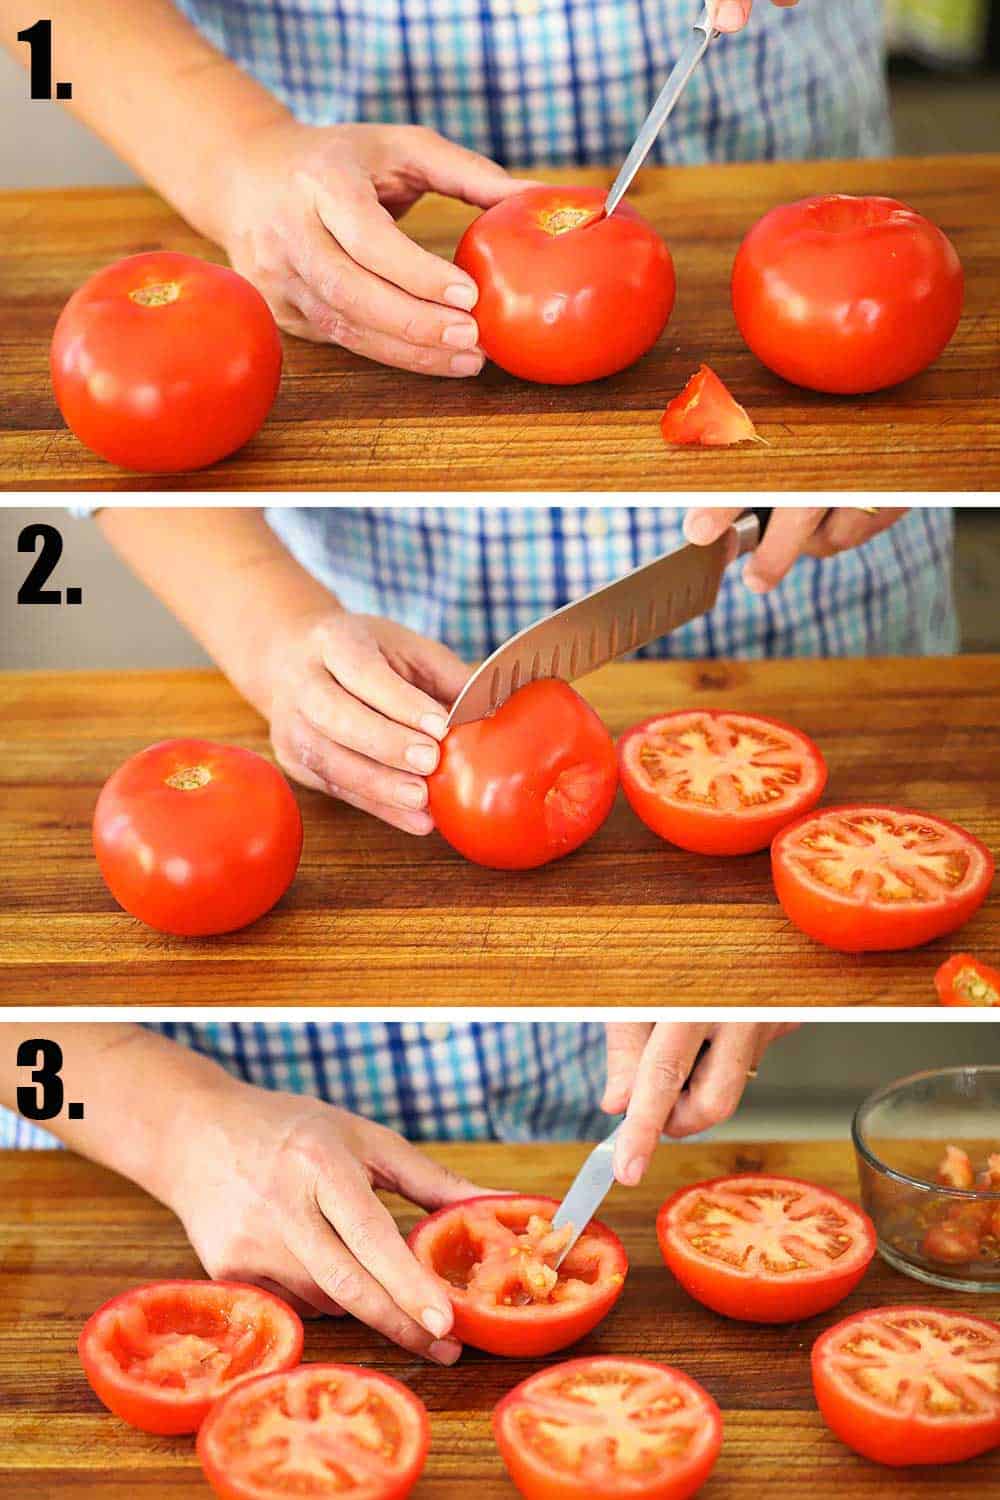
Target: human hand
x=278, y=1190
x=357, y=707
x=733, y=15
x=648, y=1066
x=793, y=531
x=307, y=215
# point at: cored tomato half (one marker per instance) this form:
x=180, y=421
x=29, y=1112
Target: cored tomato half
x=608, y=1429
x=163, y=362
x=497, y=1256
x=565, y=293
x=316, y=1432
x=910, y=1385
x=863, y=878
x=717, y=782
x=964, y=980
x=765, y=1249
x=159, y=1356
x=196, y=838
x=847, y=294
x=529, y=783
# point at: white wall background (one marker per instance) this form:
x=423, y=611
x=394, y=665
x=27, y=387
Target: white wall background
x=42, y=145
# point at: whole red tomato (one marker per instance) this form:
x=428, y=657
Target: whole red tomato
x=846, y=294
x=566, y=294
x=528, y=784
x=163, y=362
x=195, y=838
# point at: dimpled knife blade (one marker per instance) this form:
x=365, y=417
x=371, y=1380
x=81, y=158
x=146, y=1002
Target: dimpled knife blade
x=589, y=1190
x=610, y=622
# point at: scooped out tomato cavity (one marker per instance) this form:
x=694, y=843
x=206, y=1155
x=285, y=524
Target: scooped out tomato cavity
x=527, y=784
x=566, y=294
x=498, y=1257
x=706, y=413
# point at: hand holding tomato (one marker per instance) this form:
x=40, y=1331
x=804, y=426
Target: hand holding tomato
x=793, y=531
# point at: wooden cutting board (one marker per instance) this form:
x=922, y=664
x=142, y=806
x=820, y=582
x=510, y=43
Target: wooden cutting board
x=378, y=917
x=341, y=422
x=74, y=1235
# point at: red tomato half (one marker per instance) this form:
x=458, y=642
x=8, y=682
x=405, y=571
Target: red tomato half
x=847, y=294
x=864, y=879
x=963, y=980
x=497, y=1256
x=910, y=1385
x=608, y=1429
x=765, y=1249
x=706, y=413
x=717, y=782
x=565, y=294
x=163, y=362
x=528, y=784
x=159, y=1356
x=320, y=1431
x=196, y=838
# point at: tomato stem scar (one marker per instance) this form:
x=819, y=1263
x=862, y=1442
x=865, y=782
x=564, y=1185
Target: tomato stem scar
x=160, y=294
x=560, y=220
x=189, y=778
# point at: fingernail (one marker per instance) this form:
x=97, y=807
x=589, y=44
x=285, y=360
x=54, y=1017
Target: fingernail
x=414, y=794
x=422, y=758
x=461, y=335
x=731, y=15
x=436, y=1322
x=753, y=580
x=699, y=529
x=631, y=1173
x=462, y=294
x=466, y=364
x=434, y=725
x=445, y=1351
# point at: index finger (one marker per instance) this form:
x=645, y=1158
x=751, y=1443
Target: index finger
x=355, y=660
x=662, y=1073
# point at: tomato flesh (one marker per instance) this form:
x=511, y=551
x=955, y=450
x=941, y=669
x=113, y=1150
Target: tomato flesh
x=705, y=412
x=964, y=980
x=159, y=1356
x=565, y=293
x=163, y=362
x=910, y=1385
x=318, y=1431
x=528, y=784
x=607, y=1428
x=765, y=1249
x=195, y=838
x=867, y=878
x=497, y=1256
x=716, y=782
x=847, y=295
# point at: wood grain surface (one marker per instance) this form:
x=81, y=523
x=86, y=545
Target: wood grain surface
x=377, y=917
x=341, y=422
x=73, y=1235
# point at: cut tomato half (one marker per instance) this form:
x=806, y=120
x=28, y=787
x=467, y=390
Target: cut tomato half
x=318, y=1431
x=717, y=782
x=910, y=1385
x=866, y=878
x=159, y=1356
x=963, y=980
x=765, y=1249
x=497, y=1256
x=706, y=413
x=606, y=1429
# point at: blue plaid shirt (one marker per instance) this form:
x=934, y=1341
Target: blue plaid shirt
x=568, y=82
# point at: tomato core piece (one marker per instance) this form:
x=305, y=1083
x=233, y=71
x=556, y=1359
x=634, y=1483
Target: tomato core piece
x=705, y=412
x=963, y=980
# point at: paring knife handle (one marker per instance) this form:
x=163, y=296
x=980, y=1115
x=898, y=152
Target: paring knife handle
x=763, y=514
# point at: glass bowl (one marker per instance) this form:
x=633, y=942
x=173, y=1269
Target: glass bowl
x=946, y=1236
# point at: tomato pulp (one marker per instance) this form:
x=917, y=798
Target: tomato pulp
x=607, y=1429
x=910, y=1385
x=864, y=879
x=163, y=362
x=159, y=1356
x=846, y=295
x=195, y=838
x=528, y=784
x=717, y=782
x=319, y=1431
x=964, y=980
x=497, y=1256
x=566, y=294
x=765, y=1249
x=705, y=412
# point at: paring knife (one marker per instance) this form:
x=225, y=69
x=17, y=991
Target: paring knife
x=613, y=620
x=702, y=35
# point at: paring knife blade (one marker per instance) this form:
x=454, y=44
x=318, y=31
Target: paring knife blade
x=702, y=34
x=589, y=1190
x=613, y=620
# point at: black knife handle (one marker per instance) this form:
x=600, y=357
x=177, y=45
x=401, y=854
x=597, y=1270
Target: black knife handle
x=763, y=514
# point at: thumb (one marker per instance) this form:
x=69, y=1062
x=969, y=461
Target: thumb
x=406, y=1170
x=730, y=15
x=440, y=672
x=459, y=173
x=625, y=1042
